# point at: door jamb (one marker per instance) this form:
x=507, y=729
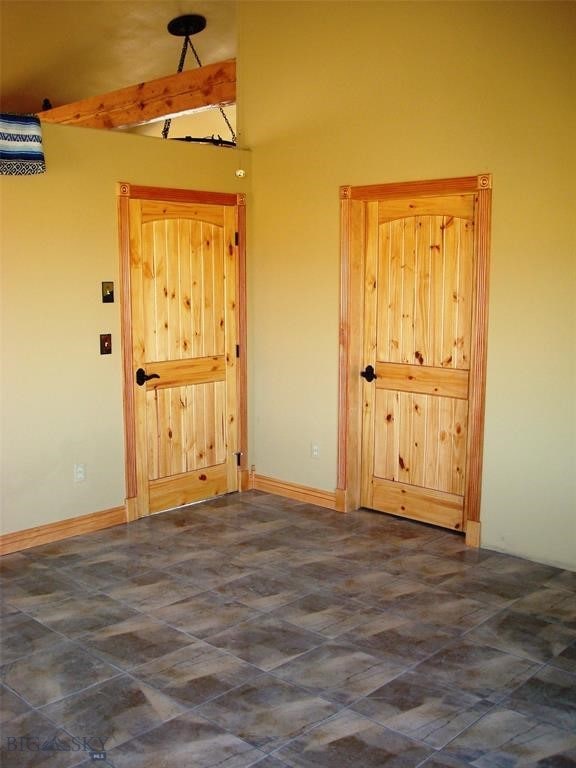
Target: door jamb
x=350, y=407
x=126, y=192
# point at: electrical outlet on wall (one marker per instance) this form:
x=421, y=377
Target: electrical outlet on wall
x=314, y=450
x=79, y=473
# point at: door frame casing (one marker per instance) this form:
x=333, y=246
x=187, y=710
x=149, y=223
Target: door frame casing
x=125, y=193
x=350, y=405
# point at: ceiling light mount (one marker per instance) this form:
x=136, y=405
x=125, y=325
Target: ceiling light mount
x=185, y=26
x=189, y=24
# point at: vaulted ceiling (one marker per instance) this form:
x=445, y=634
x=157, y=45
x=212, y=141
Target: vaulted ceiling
x=69, y=50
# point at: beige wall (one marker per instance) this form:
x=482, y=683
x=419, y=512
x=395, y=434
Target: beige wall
x=331, y=93
x=61, y=401
x=338, y=93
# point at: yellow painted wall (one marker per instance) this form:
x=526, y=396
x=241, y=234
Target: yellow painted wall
x=61, y=402
x=331, y=93
x=336, y=93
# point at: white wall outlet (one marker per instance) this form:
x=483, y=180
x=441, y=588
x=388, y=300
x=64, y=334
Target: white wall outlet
x=315, y=450
x=79, y=473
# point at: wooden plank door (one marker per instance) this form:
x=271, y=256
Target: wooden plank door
x=184, y=279
x=420, y=431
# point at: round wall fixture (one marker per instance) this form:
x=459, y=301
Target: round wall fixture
x=189, y=24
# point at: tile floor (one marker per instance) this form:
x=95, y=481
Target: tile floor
x=256, y=631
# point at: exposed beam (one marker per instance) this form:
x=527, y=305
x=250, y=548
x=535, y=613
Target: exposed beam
x=211, y=85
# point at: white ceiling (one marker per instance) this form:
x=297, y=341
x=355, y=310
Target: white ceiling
x=67, y=50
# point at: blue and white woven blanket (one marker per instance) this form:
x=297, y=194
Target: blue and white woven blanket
x=21, y=152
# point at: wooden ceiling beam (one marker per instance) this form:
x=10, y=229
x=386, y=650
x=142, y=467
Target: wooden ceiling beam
x=208, y=86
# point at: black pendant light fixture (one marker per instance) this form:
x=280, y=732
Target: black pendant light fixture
x=186, y=26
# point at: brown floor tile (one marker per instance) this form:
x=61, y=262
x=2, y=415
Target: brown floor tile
x=566, y=659
x=205, y=614
x=21, y=635
x=185, y=742
x=113, y=712
x=11, y=706
x=425, y=567
x=265, y=590
x=266, y=642
x=269, y=762
x=376, y=587
x=442, y=760
x=326, y=614
x=41, y=589
x=195, y=674
x=135, y=641
x=76, y=616
x=150, y=590
x=563, y=580
x=508, y=738
x=478, y=669
x=352, y=740
x=500, y=590
x=399, y=639
x=525, y=570
x=549, y=696
x=422, y=709
x=210, y=569
x=32, y=741
x=340, y=672
x=52, y=674
x=269, y=616
x=267, y=712
x=523, y=635
x=18, y=566
x=550, y=604
x=443, y=609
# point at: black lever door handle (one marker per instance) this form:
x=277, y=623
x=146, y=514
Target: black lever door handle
x=368, y=373
x=142, y=377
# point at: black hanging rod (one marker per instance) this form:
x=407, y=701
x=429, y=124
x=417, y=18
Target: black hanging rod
x=217, y=141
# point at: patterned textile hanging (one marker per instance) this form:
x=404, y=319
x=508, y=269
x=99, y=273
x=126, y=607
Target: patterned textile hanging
x=21, y=152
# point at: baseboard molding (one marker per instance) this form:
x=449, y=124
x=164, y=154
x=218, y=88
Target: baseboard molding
x=294, y=491
x=342, y=501
x=244, y=480
x=62, y=529
x=473, y=529
x=131, y=509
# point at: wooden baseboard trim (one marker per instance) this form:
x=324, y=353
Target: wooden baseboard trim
x=245, y=480
x=294, y=491
x=342, y=501
x=131, y=509
x=63, y=529
x=473, y=533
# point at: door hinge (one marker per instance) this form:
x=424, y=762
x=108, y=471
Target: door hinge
x=238, y=455
x=237, y=350
x=236, y=238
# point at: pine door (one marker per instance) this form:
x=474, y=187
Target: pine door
x=421, y=409
x=184, y=338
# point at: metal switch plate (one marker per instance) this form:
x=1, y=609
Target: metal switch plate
x=108, y=293
x=105, y=343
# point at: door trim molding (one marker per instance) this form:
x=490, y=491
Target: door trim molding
x=126, y=192
x=352, y=230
